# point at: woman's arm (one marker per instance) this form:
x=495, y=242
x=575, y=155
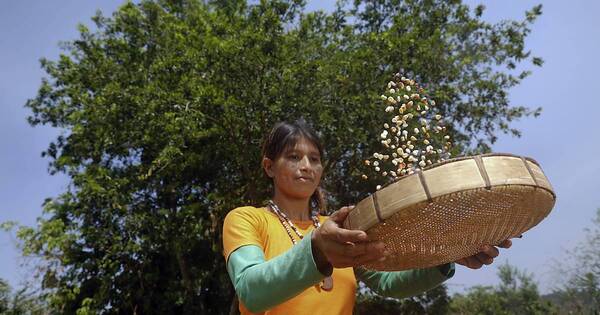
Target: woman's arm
x=262, y=284
x=402, y=284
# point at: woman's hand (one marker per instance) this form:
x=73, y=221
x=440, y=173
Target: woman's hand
x=484, y=257
x=344, y=248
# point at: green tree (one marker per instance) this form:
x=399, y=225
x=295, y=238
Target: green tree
x=434, y=301
x=516, y=294
x=162, y=108
x=579, y=291
x=21, y=302
x=4, y=296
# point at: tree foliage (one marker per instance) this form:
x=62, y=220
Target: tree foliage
x=516, y=294
x=163, y=104
x=23, y=301
x=579, y=290
x=434, y=301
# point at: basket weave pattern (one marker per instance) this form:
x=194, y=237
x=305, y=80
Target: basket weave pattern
x=451, y=209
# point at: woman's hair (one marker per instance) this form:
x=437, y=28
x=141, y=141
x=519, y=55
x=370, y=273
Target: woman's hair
x=285, y=135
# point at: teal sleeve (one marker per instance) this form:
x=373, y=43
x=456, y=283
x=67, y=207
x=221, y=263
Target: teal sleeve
x=402, y=284
x=261, y=284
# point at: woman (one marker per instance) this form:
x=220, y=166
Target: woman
x=287, y=259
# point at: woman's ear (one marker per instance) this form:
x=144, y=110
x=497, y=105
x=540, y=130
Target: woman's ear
x=267, y=165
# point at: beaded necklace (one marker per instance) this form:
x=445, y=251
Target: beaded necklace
x=327, y=283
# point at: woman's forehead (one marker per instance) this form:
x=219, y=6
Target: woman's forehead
x=302, y=144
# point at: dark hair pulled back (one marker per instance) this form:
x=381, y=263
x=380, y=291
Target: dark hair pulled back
x=285, y=135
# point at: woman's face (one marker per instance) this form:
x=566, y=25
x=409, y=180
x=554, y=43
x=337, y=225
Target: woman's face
x=296, y=173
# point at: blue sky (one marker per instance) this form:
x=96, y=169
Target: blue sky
x=564, y=139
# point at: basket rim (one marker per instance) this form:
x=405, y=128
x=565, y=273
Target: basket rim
x=467, y=157
x=470, y=157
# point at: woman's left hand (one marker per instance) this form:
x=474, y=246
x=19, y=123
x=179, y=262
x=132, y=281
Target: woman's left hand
x=484, y=257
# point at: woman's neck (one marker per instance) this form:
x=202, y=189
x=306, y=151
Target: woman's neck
x=295, y=209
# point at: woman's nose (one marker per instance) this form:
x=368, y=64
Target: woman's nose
x=304, y=162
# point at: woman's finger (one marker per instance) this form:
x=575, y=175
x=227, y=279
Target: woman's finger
x=472, y=262
x=484, y=258
x=364, y=248
x=463, y=261
x=491, y=251
x=376, y=249
x=333, y=232
x=505, y=244
x=344, y=236
x=354, y=250
x=340, y=215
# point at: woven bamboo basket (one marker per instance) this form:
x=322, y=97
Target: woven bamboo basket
x=449, y=210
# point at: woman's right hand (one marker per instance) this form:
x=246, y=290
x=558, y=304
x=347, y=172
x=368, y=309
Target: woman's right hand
x=344, y=248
